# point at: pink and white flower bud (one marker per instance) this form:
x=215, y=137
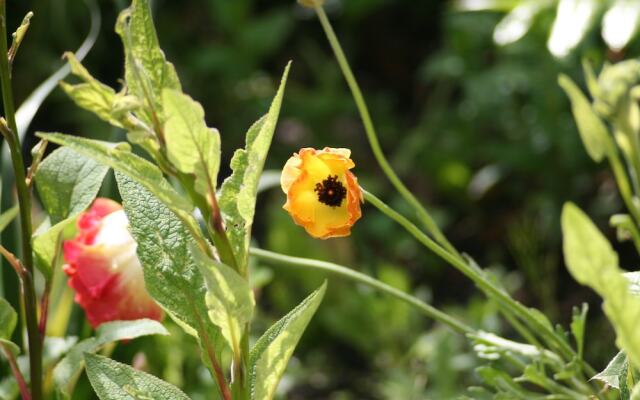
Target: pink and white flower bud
x=103, y=267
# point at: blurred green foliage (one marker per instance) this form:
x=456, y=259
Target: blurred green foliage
x=481, y=133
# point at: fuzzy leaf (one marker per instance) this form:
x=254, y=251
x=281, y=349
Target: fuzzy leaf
x=593, y=131
x=239, y=191
x=116, y=381
x=592, y=261
x=192, y=147
x=68, y=182
x=270, y=355
x=229, y=297
x=120, y=158
x=147, y=72
x=170, y=274
x=66, y=372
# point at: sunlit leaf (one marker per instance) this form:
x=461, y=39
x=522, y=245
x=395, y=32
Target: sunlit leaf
x=611, y=373
x=93, y=95
x=147, y=72
x=192, y=147
x=170, y=274
x=68, y=182
x=67, y=370
x=592, y=261
x=592, y=130
x=229, y=298
x=114, y=381
x=270, y=355
x=120, y=158
x=239, y=191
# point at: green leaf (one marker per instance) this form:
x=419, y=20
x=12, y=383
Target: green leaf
x=8, y=216
x=594, y=133
x=100, y=99
x=68, y=182
x=67, y=370
x=270, y=355
x=170, y=274
x=46, y=244
x=120, y=158
x=592, y=262
x=612, y=372
x=192, y=147
x=635, y=393
x=229, y=298
x=8, y=319
x=147, y=72
x=590, y=78
x=239, y=191
x=116, y=381
x=578, y=321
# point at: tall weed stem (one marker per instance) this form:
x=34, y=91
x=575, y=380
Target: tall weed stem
x=24, y=201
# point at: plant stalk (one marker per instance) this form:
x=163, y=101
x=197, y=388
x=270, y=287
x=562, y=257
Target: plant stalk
x=347, y=273
x=481, y=281
x=24, y=200
x=372, y=136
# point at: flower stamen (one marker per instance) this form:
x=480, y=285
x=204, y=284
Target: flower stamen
x=331, y=191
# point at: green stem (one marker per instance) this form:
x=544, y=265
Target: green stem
x=623, y=183
x=372, y=136
x=355, y=276
x=481, y=281
x=24, y=200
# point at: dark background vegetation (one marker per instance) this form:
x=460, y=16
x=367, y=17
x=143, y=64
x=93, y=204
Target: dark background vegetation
x=482, y=134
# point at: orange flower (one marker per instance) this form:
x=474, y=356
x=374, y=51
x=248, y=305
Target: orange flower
x=323, y=196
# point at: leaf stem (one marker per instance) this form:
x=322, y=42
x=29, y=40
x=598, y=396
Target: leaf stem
x=372, y=136
x=347, y=273
x=24, y=200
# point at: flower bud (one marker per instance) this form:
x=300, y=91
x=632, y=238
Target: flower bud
x=103, y=267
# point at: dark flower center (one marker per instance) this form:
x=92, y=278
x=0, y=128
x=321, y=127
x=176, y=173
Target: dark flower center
x=331, y=191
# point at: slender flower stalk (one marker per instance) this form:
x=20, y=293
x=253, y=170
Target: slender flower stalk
x=372, y=136
x=482, y=282
x=347, y=273
x=24, y=200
